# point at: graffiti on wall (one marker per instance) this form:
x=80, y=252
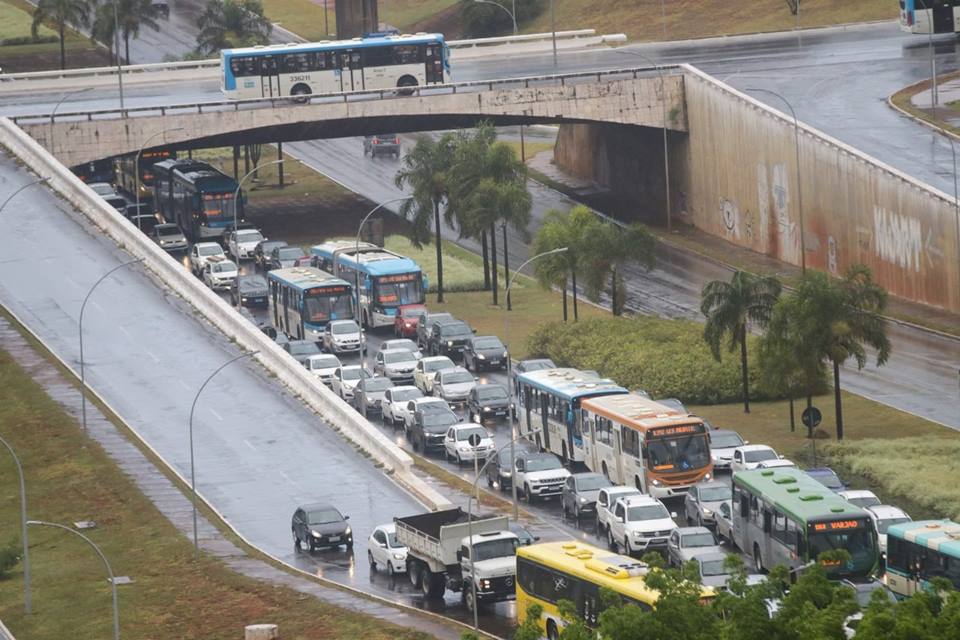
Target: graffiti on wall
x=898, y=239
x=776, y=223
x=763, y=199
x=730, y=217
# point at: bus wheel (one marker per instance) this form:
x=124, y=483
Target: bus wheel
x=552, y=633
x=301, y=90
x=406, y=84
x=636, y=481
x=606, y=473
x=563, y=455
x=757, y=560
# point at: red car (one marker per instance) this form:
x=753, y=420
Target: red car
x=405, y=322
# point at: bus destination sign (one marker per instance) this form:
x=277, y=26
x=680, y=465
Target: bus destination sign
x=400, y=277
x=328, y=291
x=836, y=525
x=679, y=430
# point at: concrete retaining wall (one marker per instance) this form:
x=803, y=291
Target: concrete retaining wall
x=740, y=183
x=221, y=315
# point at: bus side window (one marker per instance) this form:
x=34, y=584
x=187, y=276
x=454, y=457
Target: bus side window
x=767, y=520
x=377, y=56
x=744, y=504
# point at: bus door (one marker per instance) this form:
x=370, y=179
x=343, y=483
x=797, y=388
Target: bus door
x=618, y=451
x=434, y=63
x=350, y=70
x=545, y=419
x=269, y=77
x=942, y=16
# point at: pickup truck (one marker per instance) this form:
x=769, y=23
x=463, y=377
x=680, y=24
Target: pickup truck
x=640, y=524
x=438, y=555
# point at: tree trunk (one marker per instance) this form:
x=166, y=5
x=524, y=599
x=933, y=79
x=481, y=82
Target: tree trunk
x=493, y=263
x=576, y=313
x=564, y=300
x=126, y=47
x=613, y=292
x=837, y=402
x=506, y=267
x=743, y=369
x=793, y=420
x=436, y=222
x=486, y=261
x=63, y=50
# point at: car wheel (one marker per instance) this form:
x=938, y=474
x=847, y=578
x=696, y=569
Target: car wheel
x=413, y=573
x=699, y=520
x=469, y=598
x=459, y=460
x=610, y=541
x=526, y=493
x=373, y=563
x=296, y=540
x=489, y=481
x=312, y=543
x=349, y=546
x=626, y=546
x=576, y=512
x=390, y=571
x=416, y=445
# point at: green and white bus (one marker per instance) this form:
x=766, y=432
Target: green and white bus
x=783, y=516
x=918, y=552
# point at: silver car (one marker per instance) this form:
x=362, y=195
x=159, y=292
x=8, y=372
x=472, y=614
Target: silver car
x=687, y=542
x=714, y=573
x=454, y=385
x=703, y=500
x=722, y=444
x=396, y=364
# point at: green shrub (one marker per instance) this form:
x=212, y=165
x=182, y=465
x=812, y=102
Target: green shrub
x=665, y=358
x=13, y=42
x=9, y=557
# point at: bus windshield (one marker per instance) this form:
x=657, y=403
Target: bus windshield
x=859, y=543
x=398, y=290
x=678, y=454
x=328, y=307
x=217, y=205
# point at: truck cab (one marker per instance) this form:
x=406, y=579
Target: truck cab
x=491, y=572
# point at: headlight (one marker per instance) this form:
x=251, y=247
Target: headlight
x=481, y=356
x=583, y=500
x=506, y=474
x=407, y=325
x=348, y=531
x=706, y=477
x=449, y=343
x=398, y=556
x=655, y=483
x=707, y=512
x=315, y=534
x=485, y=584
x=504, y=354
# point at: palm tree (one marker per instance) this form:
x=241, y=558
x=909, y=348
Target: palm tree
x=131, y=15
x=571, y=230
x=425, y=170
x=730, y=307
x=61, y=13
x=232, y=23
x=608, y=248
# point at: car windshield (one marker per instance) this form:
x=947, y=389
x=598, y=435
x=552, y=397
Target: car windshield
x=491, y=392
x=392, y=541
x=376, y=384
x=487, y=343
x=303, y=348
x=456, y=377
x=543, y=463
x=351, y=373
x=164, y=230
x=224, y=267
x=324, y=516
x=455, y=330
x=209, y=250
x=407, y=345
x=464, y=434
x=404, y=395
x=437, y=365
x=289, y=253
x=341, y=328
x=678, y=454
x=886, y=523
x=592, y=482
x=438, y=422
x=434, y=318
x=495, y=549
x=725, y=440
x=828, y=479
x=537, y=365
x=759, y=455
x=713, y=568
x=698, y=540
x=715, y=494
x=267, y=247
x=249, y=236
x=325, y=362
x=647, y=512
x=400, y=356
x=411, y=312
x=865, y=501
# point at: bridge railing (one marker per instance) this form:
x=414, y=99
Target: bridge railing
x=343, y=97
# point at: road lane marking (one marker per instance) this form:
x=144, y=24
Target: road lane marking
x=252, y=448
x=216, y=415
x=183, y=384
x=125, y=332
x=152, y=357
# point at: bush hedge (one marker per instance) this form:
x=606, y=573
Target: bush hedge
x=13, y=42
x=665, y=358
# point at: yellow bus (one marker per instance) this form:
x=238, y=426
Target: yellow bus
x=552, y=571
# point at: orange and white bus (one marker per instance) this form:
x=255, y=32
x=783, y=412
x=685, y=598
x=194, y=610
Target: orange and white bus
x=634, y=440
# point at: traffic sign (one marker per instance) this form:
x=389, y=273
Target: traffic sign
x=811, y=417
x=474, y=440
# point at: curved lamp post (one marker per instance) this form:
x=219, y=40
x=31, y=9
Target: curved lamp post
x=57, y=106
x=136, y=167
x=236, y=208
x=23, y=527
x=21, y=188
x=512, y=14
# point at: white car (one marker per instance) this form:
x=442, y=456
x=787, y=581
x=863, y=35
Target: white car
x=640, y=524
x=384, y=552
x=402, y=343
x=220, y=273
x=102, y=189
x=779, y=463
x=343, y=336
x=860, y=497
x=241, y=243
x=412, y=406
x=427, y=368
x=201, y=252
x=457, y=443
x=605, y=501
x=453, y=385
x=345, y=380
x=395, y=401
x=396, y=364
x=722, y=444
x=539, y=475
x=323, y=365
x=884, y=516
x=747, y=457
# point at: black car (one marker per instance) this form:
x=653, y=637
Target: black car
x=368, y=394
x=261, y=254
x=117, y=201
x=448, y=338
x=142, y=209
x=286, y=256
x=251, y=289
x=301, y=349
x=425, y=323
x=580, y=492
x=430, y=423
x=498, y=468
x=488, y=402
x=484, y=352
x=320, y=525
x=524, y=366
x=524, y=537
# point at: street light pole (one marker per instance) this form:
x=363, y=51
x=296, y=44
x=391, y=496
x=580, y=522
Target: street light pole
x=116, y=46
x=83, y=376
x=193, y=476
x=21, y=188
x=553, y=30
x=933, y=60
x=136, y=168
x=956, y=198
x=23, y=527
x=236, y=208
x=512, y=14
x=57, y=106
x=510, y=384
x=796, y=143
x=113, y=585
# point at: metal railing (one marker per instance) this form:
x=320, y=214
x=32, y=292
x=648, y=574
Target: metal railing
x=339, y=97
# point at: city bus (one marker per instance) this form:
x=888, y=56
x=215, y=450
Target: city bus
x=549, y=407
x=633, y=440
x=549, y=572
x=918, y=552
x=95, y=171
x=301, y=300
x=387, y=281
x=126, y=165
x=374, y=62
x=784, y=516
x=197, y=197
x=920, y=16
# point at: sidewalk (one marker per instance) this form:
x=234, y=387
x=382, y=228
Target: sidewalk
x=948, y=90
x=177, y=507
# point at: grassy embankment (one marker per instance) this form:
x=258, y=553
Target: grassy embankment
x=69, y=479
x=306, y=19
x=16, y=17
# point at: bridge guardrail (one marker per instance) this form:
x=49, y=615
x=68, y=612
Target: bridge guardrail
x=217, y=312
x=381, y=94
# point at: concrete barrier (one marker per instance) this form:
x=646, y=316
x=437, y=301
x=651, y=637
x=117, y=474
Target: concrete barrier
x=297, y=379
x=5, y=633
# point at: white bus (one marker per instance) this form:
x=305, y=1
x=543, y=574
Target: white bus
x=549, y=408
x=381, y=62
x=302, y=300
x=926, y=16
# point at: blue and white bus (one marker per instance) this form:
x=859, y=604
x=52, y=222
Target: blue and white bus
x=387, y=281
x=922, y=16
x=549, y=408
x=195, y=196
x=918, y=552
x=375, y=62
x=302, y=300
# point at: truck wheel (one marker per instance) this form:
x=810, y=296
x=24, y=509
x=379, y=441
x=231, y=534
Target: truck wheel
x=432, y=585
x=413, y=573
x=469, y=598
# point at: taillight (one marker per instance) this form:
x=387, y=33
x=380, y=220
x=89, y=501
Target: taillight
x=376, y=141
x=396, y=141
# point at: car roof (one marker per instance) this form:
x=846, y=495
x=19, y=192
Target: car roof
x=723, y=432
x=530, y=455
x=821, y=471
x=883, y=511
x=587, y=474
x=622, y=488
x=710, y=556
x=435, y=359
x=208, y=244
x=348, y=320
x=856, y=493
x=164, y=225
x=406, y=387
x=456, y=369
x=464, y=425
x=345, y=366
x=688, y=530
x=397, y=350
x=390, y=527
x=429, y=400
x=638, y=500
x=475, y=338
x=755, y=447
x=706, y=484
x=314, y=506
